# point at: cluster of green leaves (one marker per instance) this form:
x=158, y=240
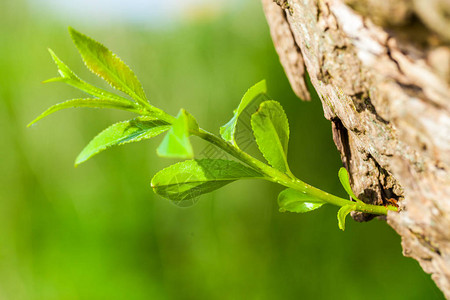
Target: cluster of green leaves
x=191, y=178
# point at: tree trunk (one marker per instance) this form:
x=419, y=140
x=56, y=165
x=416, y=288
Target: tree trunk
x=382, y=72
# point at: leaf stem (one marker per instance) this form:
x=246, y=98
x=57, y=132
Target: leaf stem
x=149, y=110
x=274, y=175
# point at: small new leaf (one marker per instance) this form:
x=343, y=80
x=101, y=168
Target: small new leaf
x=297, y=201
x=69, y=77
x=134, y=130
x=176, y=142
x=345, y=181
x=228, y=130
x=88, y=102
x=271, y=129
x=192, y=178
x=105, y=64
x=342, y=214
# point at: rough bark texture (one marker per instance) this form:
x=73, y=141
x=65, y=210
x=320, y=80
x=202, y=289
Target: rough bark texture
x=382, y=72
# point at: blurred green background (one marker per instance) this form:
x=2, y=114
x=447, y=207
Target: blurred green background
x=99, y=232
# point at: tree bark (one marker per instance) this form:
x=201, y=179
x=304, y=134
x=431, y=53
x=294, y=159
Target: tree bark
x=382, y=72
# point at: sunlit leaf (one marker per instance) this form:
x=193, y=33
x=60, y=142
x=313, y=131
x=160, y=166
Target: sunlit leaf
x=191, y=178
x=102, y=62
x=345, y=181
x=69, y=77
x=228, y=130
x=88, y=102
x=342, y=214
x=271, y=129
x=297, y=201
x=176, y=142
x=134, y=130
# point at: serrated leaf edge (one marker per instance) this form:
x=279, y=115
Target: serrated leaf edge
x=278, y=141
x=124, y=88
x=86, y=102
x=79, y=160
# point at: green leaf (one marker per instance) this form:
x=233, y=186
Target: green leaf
x=134, y=130
x=87, y=102
x=105, y=64
x=342, y=214
x=271, y=129
x=345, y=181
x=191, y=178
x=191, y=121
x=228, y=130
x=297, y=201
x=69, y=77
x=176, y=142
